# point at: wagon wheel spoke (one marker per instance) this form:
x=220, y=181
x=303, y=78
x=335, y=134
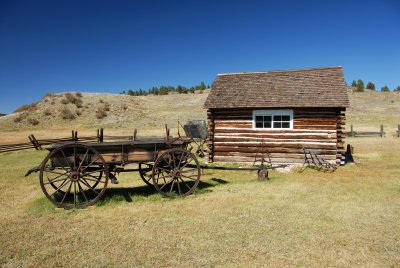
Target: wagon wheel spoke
x=172, y=186
x=52, y=181
x=179, y=186
x=83, y=159
x=188, y=177
x=66, y=193
x=65, y=158
x=88, y=185
x=166, y=183
x=95, y=180
x=60, y=187
x=82, y=191
x=74, y=194
x=57, y=173
x=184, y=183
x=91, y=163
x=76, y=187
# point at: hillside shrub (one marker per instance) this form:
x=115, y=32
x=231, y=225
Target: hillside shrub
x=33, y=121
x=100, y=113
x=27, y=107
x=106, y=106
x=78, y=112
x=70, y=98
x=47, y=113
x=78, y=94
x=65, y=113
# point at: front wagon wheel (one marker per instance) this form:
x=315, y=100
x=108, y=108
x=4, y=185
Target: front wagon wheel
x=73, y=176
x=176, y=172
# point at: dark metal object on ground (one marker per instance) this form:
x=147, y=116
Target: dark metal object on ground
x=313, y=160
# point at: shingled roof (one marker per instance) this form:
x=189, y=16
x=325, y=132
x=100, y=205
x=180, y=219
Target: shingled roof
x=318, y=87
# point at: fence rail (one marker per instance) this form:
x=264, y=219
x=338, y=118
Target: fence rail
x=38, y=143
x=380, y=133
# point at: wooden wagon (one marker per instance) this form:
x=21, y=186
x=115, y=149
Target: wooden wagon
x=76, y=174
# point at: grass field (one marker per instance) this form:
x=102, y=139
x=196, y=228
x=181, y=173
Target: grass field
x=348, y=218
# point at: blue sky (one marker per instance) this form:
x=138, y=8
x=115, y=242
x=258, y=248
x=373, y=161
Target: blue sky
x=110, y=46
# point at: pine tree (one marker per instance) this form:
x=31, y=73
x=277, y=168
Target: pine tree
x=397, y=89
x=354, y=83
x=360, y=85
x=385, y=89
x=370, y=86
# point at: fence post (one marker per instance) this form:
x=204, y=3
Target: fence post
x=382, y=131
x=351, y=131
x=398, y=130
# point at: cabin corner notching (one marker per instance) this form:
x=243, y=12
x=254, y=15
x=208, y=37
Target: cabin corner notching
x=285, y=111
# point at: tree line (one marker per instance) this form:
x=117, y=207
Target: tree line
x=359, y=86
x=165, y=90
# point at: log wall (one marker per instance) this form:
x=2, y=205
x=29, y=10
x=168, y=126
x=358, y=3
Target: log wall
x=232, y=138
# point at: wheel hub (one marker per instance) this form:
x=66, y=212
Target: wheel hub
x=75, y=176
x=176, y=173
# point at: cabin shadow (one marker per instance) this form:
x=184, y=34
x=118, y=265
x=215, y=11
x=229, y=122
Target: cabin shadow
x=128, y=194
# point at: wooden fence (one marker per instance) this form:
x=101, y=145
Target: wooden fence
x=38, y=143
x=380, y=133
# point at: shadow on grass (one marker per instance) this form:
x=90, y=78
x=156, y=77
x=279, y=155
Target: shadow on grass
x=117, y=195
x=146, y=193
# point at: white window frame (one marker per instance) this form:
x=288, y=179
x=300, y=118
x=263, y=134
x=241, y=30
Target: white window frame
x=272, y=113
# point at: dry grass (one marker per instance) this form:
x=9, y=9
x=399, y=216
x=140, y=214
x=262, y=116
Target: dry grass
x=348, y=218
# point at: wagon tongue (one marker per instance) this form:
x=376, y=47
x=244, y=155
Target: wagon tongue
x=34, y=169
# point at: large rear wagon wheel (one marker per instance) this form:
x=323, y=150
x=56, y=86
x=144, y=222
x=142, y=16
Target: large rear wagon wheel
x=73, y=176
x=176, y=172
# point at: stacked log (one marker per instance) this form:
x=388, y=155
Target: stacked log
x=233, y=139
x=341, y=134
x=210, y=139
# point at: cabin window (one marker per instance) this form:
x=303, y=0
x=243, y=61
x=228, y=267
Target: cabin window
x=273, y=119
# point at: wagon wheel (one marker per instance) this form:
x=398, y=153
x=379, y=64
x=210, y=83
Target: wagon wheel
x=145, y=171
x=70, y=174
x=176, y=173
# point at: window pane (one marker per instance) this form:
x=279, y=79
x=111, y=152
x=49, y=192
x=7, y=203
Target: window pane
x=259, y=124
x=267, y=124
x=277, y=118
x=277, y=124
x=267, y=118
x=259, y=118
x=285, y=118
x=285, y=125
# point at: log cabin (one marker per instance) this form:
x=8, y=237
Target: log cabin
x=278, y=113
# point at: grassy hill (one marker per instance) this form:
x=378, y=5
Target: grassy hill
x=91, y=110
x=149, y=114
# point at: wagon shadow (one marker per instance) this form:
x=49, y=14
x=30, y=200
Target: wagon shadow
x=131, y=194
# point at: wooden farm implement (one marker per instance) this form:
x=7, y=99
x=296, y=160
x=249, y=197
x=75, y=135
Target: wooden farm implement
x=76, y=171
